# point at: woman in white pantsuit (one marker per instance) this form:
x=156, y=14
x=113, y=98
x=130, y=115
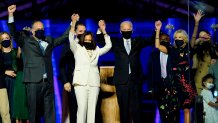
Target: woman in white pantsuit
x=86, y=78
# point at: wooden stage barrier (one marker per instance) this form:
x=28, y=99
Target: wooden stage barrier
x=109, y=104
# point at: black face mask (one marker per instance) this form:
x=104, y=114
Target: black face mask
x=40, y=34
x=6, y=43
x=206, y=45
x=126, y=34
x=179, y=43
x=79, y=36
x=165, y=43
x=88, y=46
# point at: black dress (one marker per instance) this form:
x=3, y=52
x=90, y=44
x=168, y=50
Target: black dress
x=10, y=64
x=181, y=75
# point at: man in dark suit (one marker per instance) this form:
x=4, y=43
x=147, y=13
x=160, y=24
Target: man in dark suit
x=38, y=73
x=161, y=82
x=128, y=71
x=66, y=65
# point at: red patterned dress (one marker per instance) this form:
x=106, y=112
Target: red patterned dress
x=181, y=74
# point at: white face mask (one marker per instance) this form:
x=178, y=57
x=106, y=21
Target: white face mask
x=209, y=85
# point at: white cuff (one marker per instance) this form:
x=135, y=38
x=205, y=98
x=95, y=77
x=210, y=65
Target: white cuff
x=10, y=19
x=98, y=31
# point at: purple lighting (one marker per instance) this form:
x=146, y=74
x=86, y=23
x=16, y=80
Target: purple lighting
x=19, y=8
x=22, y=7
x=168, y=6
x=58, y=106
x=157, y=116
x=40, y=1
x=164, y=5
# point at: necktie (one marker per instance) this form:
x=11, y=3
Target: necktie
x=41, y=46
x=43, y=51
x=163, y=64
x=128, y=46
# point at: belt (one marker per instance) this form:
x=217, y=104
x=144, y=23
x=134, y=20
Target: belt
x=44, y=79
x=163, y=79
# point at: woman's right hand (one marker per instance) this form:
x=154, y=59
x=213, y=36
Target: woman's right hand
x=158, y=25
x=102, y=26
x=198, y=15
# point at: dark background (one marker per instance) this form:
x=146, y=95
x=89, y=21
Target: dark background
x=111, y=10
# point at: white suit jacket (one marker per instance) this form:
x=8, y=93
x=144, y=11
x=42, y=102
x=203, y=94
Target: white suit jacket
x=86, y=70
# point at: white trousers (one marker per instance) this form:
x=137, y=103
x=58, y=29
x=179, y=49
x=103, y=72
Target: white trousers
x=4, y=106
x=86, y=97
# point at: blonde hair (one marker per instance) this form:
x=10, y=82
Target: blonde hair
x=183, y=33
x=2, y=33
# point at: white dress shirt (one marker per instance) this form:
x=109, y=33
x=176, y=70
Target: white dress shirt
x=163, y=64
x=127, y=45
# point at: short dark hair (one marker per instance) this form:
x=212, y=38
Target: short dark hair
x=167, y=37
x=78, y=23
x=35, y=21
x=208, y=76
x=82, y=39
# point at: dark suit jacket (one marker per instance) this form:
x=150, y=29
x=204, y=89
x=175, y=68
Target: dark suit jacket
x=66, y=64
x=154, y=74
x=122, y=59
x=33, y=59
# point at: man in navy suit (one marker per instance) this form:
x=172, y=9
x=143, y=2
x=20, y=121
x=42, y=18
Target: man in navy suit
x=38, y=71
x=128, y=71
x=160, y=79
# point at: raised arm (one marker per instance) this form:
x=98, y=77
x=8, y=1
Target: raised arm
x=162, y=48
x=11, y=10
x=63, y=38
x=108, y=45
x=14, y=33
x=18, y=36
x=74, y=18
x=72, y=34
x=197, y=18
x=71, y=28
x=73, y=43
x=102, y=27
x=100, y=33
